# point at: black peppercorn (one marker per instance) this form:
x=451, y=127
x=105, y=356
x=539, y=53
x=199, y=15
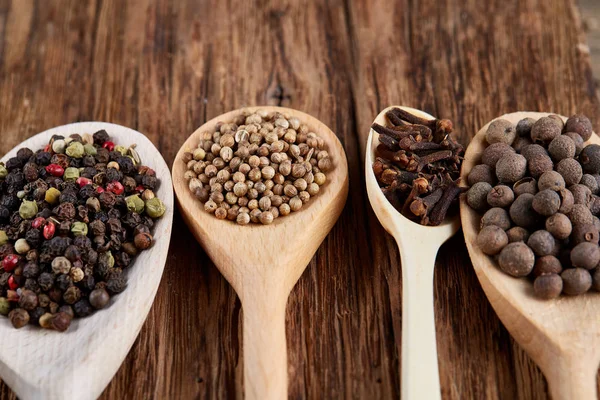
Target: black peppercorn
x=63, y=282
x=116, y=285
x=82, y=308
x=46, y=281
x=99, y=298
x=28, y=300
x=72, y=295
x=31, y=270
x=100, y=137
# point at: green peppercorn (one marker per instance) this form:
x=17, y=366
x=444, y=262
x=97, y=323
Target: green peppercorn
x=121, y=149
x=4, y=306
x=79, y=229
x=71, y=174
x=3, y=171
x=3, y=238
x=155, y=208
x=75, y=150
x=52, y=195
x=106, y=259
x=90, y=150
x=28, y=209
x=135, y=203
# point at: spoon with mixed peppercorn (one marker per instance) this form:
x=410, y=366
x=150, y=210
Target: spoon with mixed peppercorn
x=85, y=221
x=544, y=230
x=411, y=168
x=264, y=262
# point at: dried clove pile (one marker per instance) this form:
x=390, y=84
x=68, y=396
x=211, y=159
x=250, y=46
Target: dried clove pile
x=417, y=166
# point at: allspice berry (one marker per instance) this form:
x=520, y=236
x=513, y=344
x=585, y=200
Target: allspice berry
x=547, y=265
x=596, y=279
x=533, y=150
x=580, y=214
x=576, y=281
x=516, y=259
x=522, y=212
x=546, y=202
x=99, y=298
x=496, y=216
x=517, y=234
x=571, y=171
x=511, y=168
x=585, y=255
x=524, y=126
x=495, y=152
x=542, y=243
x=544, y=130
x=501, y=131
x=491, y=239
x=578, y=140
x=581, y=194
x=525, y=185
x=561, y=147
x=500, y=196
x=585, y=233
x=581, y=125
x=481, y=173
x=477, y=195
x=540, y=164
x=551, y=180
x=590, y=159
x=591, y=182
x=548, y=286
x=559, y=225
x=566, y=201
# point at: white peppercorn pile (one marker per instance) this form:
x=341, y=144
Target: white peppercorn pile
x=538, y=188
x=259, y=167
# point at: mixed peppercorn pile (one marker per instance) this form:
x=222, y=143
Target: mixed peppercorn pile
x=72, y=217
x=538, y=188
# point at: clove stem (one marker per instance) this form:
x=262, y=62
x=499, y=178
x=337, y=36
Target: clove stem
x=438, y=214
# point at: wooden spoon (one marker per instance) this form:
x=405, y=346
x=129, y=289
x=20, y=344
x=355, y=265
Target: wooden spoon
x=263, y=263
x=79, y=363
x=563, y=335
x=418, y=248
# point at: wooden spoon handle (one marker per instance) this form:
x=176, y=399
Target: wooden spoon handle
x=265, y=354
x=420, y=377
x=572, y=377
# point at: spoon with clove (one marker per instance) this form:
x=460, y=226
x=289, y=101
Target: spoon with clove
x=264, y=262
x=561, y=335
x=418, y=247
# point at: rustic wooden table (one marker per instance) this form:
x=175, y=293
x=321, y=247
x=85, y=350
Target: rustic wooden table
x=164, y=68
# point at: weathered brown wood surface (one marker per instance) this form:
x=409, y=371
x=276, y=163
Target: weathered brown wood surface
x=165, y=67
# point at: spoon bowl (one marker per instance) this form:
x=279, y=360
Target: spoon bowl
x=418, y=247
x=79, y=363
x=264, y=262
x=562, y=335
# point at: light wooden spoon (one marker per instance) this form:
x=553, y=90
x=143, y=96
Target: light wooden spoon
x=263, y=263
x=79, y=363
x=418, y=249
x=562, y=336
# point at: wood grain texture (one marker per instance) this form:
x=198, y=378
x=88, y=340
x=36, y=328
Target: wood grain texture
x=165, y=67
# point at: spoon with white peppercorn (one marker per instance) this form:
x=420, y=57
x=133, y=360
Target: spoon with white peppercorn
x=561, y=335
x=264, y=262
x=418, y=246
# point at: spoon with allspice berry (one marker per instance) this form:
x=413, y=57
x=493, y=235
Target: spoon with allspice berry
x=412, y=167
x=553, y=315
x=271, y=205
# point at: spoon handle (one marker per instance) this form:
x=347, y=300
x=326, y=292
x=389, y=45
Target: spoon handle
x=572, y=376
x=265, y=354
x=420, y=377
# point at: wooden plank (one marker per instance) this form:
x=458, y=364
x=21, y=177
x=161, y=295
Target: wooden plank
x=164, y=68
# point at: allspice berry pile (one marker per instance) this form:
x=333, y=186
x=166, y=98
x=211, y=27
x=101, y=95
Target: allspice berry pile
x=538, y=188
x=72, y=218
x=259, y=167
